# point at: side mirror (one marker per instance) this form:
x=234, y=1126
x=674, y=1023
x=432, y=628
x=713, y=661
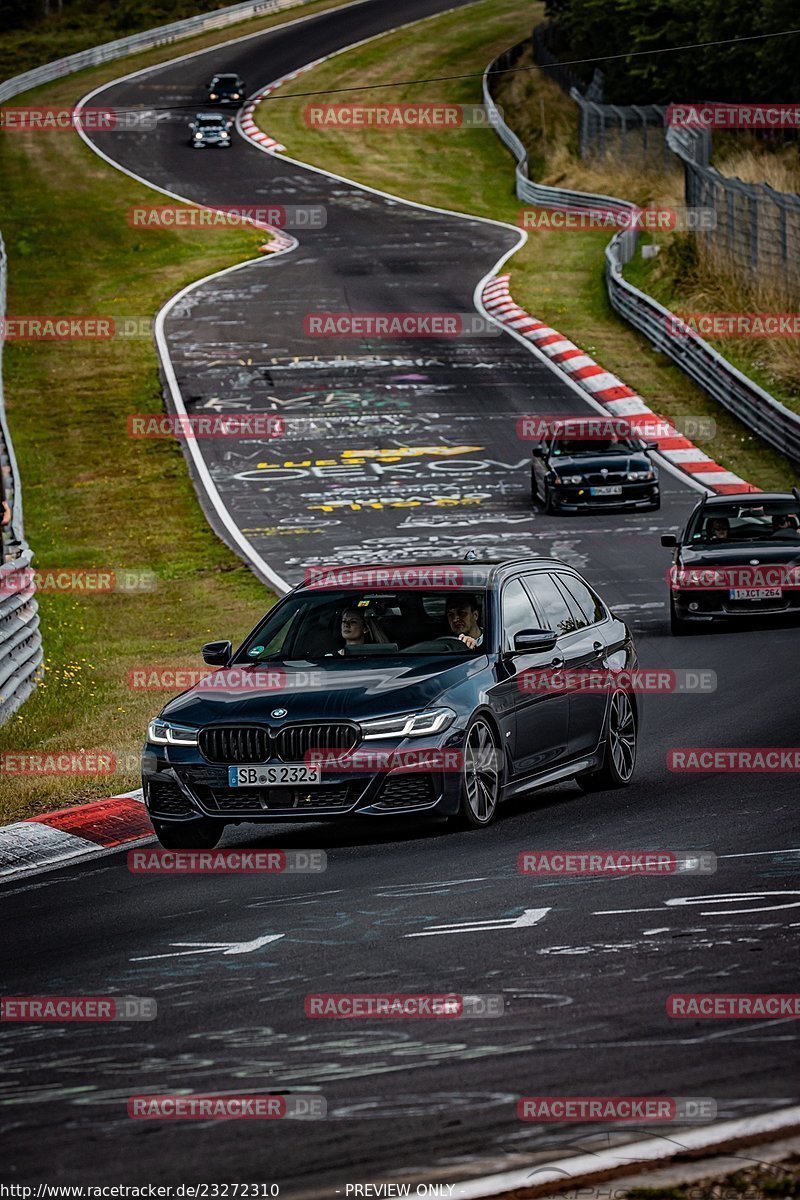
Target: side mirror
x=669, y=539
x=537, y=451
x=217, y=654
x=529, y=641
x=651, y=445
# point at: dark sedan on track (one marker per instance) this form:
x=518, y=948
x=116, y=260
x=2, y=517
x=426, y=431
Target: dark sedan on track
x=571, y=473
x=379, y=691
x=210, y=129
x=738, y=557
x=226, y=89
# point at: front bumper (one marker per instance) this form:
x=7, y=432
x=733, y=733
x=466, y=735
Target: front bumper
x=180, y=785
x=707, y=605
x=575, y=498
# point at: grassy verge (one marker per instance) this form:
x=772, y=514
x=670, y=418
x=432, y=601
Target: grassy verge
x=93, y=497
x=86, y=23
x=682, y=277
x=770, y=1181
x=557, y=275
x=684, y=281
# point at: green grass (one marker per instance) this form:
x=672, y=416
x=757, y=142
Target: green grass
x=93, y=497
x=86, y=23
x=677, y=281
x=780, y=1180
x=557, y=276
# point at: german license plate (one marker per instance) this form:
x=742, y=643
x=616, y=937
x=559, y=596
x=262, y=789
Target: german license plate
x=280, y=775
x=756, y=593
x=606, y=491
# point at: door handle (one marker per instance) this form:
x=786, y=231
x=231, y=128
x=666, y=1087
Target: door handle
x=557, y=662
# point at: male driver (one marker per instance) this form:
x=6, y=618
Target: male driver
x=462, y=614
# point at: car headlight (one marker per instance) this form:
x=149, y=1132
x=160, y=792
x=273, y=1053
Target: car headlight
x=408, y=724
x=570, y=479
x=199, y=137
x=165, y=733
x=641, y=476
x=224, y=133
x=234, y=95
x=212, y=95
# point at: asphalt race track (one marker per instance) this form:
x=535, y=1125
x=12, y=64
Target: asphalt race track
x=584, y=966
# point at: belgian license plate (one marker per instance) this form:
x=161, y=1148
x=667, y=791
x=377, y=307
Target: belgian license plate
x=281, y=775
x=606, y=491
x=756, y=593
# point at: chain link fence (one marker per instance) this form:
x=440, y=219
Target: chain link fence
x=634, y=133
x=757, y=229
x=755, y=407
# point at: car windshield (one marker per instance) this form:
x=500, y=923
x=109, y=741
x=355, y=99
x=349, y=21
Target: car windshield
x=226, y=79
x=568, y=447
x=210, y=123
x=774, y=521
x=346, y=624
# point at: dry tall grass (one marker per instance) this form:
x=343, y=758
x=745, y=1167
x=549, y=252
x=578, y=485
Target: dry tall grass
x=688, y=276
x=779, y=168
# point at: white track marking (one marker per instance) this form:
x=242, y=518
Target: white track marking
x=531, y=916
x=214, y=947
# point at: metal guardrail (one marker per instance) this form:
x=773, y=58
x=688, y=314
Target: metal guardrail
x=20, y=639
x=162, y=35
x=756, y=408
x=758, y=228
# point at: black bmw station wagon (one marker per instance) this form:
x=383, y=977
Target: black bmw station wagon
x=416, y=689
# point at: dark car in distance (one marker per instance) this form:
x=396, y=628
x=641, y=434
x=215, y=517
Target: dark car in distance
x=379, y=691
x=574, y=473
x=226, y=89
x=210, y=129
x=738, y=557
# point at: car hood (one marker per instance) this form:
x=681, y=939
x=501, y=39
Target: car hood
x=310, y=691
x=744, y=555
x=582, y=464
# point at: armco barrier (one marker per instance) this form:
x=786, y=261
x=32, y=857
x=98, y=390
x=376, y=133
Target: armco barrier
x=20, y=639
x=756, y=408
x=162, y=35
